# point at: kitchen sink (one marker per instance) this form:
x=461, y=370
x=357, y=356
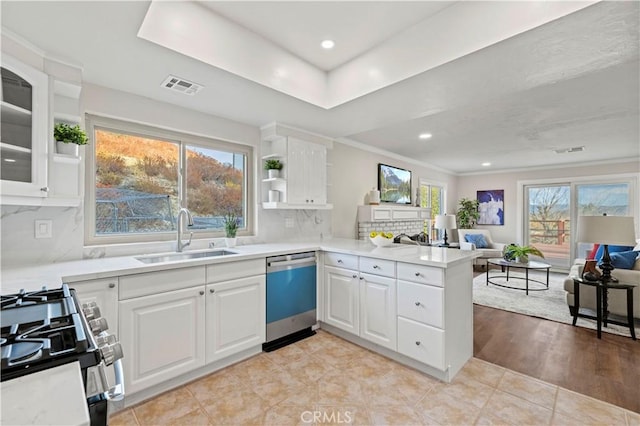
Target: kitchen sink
x=174, y=257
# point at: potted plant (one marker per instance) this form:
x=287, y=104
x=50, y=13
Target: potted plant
x=68, y=138
x=273, y=167
x=230, y=229
x=468, y=214
x=520, y=254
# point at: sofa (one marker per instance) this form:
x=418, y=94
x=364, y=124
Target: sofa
x=617, y=298
x=492, y=250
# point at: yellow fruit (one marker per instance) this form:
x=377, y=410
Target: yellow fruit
x=373, y=234
x=388, y=235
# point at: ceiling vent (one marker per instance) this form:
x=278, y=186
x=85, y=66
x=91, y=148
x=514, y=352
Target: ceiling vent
x=565, y=150
x=181, y=85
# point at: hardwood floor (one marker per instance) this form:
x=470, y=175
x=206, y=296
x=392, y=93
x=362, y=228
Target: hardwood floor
x=571, y=357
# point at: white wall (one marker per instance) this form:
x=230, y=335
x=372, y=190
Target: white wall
x=468, y=185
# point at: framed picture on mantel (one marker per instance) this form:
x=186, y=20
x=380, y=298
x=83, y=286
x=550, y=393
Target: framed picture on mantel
x=491, y=207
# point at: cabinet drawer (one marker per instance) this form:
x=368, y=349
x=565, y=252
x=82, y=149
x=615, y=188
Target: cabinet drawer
x=340, y=260
x=233, y=270
x=386, y=268
x=421, y=302
x=421, y=342
x=421, y=274
x=137, y=285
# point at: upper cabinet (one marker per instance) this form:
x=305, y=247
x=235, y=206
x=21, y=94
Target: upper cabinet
x=302, y=183
x=23, y=130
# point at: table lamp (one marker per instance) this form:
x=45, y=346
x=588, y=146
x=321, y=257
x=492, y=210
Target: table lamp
x=606, y=230
x=445, y=221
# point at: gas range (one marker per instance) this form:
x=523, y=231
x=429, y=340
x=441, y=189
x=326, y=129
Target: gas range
x=48, y=328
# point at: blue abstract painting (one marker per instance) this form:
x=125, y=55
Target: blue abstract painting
x=491, y=207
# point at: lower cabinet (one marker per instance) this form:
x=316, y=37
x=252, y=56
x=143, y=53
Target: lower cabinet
x=104, y=292
x=163, y=336
x=421, y=342
x=378, y=310
x=342, y=299
x=235, y=315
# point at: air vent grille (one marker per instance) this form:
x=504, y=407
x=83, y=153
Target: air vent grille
x=566, y=150
x=181, y=85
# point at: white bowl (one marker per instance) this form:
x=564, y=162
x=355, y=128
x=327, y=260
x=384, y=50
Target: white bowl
x=381, y=241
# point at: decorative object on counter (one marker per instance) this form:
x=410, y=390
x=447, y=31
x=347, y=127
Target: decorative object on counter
x=374, y=196
x=230, y=229
x=589, y=272
x=467, y=215
x=491, y=207
x=520, y=254
x=445, y=221
x=381, y=239
x=68, y=138
x=273, y=167
x=274, y=196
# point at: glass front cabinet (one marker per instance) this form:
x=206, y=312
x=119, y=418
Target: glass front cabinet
x=23, y=129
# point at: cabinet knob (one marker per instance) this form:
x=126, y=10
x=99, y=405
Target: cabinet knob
x=362, y=278
x=417, y=303
x=201, y=293
x=112, y=285
x=44, y=189
x=417, y=274
x=376, y=267
x=354, y=275
x=418, y=343
x=340, y=261
x=211, y=290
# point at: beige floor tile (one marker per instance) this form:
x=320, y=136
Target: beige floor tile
x=528, y=388
x=256, y=370
x=123, y=418
x=306, y=396
x=279, y=388
x=563, y=420
x=214, y=384
x=337, y=388
x=633, y=419
x=285, y=415
x=380, y=394
x=166, y=408
x=464, y=389
x=482, y=371
x=412, y=384
x=351, y=415
x=238, y=407
x=338, y=355
x=308, y=368
x=194, y=418
x=285, y=355
x=588, y=410
x=444, y=409
x=506, y=409
x=395, y=415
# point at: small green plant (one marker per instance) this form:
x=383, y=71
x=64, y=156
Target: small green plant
x=230, y=225
x=273, y=164
x=69, y=134
x=468, y=214
x=515, y=252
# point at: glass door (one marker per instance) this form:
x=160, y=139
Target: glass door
x=548, y=221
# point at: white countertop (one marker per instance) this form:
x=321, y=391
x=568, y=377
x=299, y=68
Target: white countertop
x=53, y=396
x=53, y=275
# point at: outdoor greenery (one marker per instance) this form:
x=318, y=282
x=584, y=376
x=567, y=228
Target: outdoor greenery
x=272, y=164
x=69, y=134
x=467, y=215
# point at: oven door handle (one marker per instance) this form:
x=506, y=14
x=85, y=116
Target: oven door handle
x=116, y=393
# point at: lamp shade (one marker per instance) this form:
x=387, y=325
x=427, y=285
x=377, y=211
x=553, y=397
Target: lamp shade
x=612, y=230
x=445, y=221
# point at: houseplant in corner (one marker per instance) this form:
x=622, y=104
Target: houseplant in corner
x=273, y=167
x=467, y=215
x=68, y=138
x=520, y=254
x=230, y=229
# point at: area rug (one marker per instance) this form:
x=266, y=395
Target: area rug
x=548, y=304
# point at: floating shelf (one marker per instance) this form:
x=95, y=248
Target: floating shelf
x=286, y=206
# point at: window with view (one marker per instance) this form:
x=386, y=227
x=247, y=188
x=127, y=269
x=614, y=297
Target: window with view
x=432, y=197
x=141, y=177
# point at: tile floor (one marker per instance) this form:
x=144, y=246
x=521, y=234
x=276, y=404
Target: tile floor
x=327, y=380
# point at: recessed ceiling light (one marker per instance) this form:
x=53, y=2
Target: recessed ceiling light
x=327, y=44
x=9, y=160
x=486, y=164
x=425, y=136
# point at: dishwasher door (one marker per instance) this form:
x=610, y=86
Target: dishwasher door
x=291, y=296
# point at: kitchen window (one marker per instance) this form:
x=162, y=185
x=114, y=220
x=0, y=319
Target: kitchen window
x=139, y=177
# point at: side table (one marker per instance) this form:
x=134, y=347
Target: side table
x=602, y=304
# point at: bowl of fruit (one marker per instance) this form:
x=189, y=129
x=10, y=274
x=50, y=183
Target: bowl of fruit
x=381, y=239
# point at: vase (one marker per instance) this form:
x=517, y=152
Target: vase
x=274, y=196
x=522, y=259
x=67, y=148
x=230, y=241
x=273, y=173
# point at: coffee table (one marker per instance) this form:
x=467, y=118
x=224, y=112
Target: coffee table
x=506, y=266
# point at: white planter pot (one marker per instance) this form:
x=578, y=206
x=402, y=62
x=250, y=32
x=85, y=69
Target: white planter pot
x=274, y=196
x=67, y=148
x=230, y=242
x=273, y=173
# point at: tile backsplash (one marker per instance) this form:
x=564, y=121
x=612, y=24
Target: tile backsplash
x=409, y=227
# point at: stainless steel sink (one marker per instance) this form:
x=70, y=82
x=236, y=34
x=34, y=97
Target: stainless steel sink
x=174, y=257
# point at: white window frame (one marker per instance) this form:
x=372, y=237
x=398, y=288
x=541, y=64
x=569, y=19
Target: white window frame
x=443, y=203
x=94, y=122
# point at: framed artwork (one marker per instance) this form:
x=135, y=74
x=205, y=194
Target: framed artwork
x=491, y=207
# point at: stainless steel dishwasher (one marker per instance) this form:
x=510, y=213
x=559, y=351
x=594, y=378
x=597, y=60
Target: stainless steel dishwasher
x=291, y=298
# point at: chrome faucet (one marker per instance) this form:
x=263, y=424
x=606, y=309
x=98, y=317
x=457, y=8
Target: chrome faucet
x=398, y=237
x=183, y=212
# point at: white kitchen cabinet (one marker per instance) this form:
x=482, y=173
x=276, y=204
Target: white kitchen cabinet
x=23, y=140
x=421, y=342
x=104, y=292
x=163, y=336
x=235, y=315
x=342, y=303
x=307, y=173
x=378, y=309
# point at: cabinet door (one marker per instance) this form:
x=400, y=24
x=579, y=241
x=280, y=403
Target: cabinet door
x=24, y=138
x=162, y=336
x=235, y=316
x=378, y=310
x=316, y=173
x=341, y=299
x=295, y=170
x=104, y=292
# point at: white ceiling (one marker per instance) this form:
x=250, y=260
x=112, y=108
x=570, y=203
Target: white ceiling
x=569, y=82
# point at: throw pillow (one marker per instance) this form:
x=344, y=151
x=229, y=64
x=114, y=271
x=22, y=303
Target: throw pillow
x=623, y=259
x=592, y=253
x=612, y=249
x=477, y=239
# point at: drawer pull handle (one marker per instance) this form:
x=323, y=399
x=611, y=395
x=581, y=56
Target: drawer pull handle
x=376, y=267
x=418, y=343
x=211, y=290
x=417, y=303
x=354, y=275
x=417, y=274
x=340, y=261
x=201, y=293
x=111, y=285
x=362, y=278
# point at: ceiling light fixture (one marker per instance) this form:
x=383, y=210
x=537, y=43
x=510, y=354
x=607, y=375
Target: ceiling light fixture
x=327, y=44
x=425, y=136
x=486, y=164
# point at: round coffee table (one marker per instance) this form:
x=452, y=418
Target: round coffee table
x=506, y=265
